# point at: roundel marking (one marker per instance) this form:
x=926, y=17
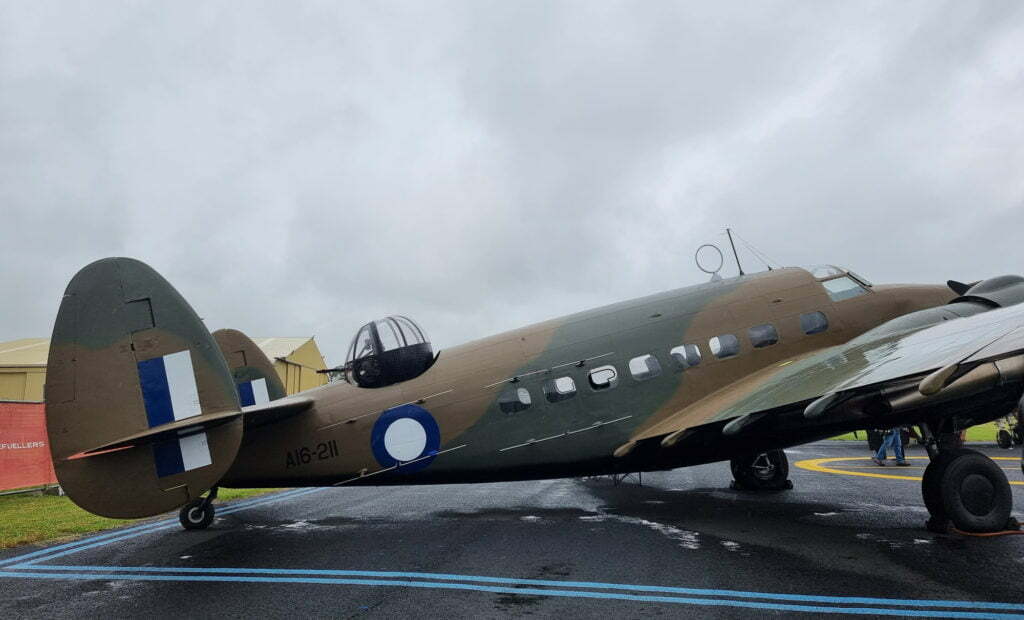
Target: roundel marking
x=403, y=434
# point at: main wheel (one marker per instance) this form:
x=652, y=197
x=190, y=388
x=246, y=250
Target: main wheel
x=1004, y=439
x=197, y=514
x=764, y=471
x=931, y=481
x=975, y=494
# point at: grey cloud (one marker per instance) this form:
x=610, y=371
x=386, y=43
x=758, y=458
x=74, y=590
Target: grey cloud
x=301, y=168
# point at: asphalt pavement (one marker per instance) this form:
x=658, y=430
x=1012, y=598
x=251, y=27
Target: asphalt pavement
x=843, y=541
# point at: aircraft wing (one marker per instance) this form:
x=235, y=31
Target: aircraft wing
x=901, y=371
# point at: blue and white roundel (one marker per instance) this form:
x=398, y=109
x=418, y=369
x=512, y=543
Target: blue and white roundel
x=403, y=434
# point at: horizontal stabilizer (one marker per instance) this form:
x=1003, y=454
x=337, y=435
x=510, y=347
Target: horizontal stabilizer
x=275, y=411
x=171, y=430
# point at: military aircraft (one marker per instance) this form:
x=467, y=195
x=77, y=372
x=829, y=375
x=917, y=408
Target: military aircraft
x=147, y=411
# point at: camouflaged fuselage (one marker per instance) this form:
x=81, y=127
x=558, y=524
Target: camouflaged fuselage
x=339, y=439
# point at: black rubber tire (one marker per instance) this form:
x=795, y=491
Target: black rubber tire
x=766, y=471
x=975, y=494
x=1004, y=439
x=1018, y=435
x=931, y=481
x=196, y=515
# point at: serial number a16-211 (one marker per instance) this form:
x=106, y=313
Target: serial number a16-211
x=319, y=452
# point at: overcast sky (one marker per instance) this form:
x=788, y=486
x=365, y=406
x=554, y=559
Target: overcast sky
x=301, y=168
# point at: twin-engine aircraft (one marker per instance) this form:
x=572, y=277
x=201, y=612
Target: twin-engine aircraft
x=147, y=411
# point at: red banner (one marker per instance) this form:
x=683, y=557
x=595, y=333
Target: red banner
x=24, y=447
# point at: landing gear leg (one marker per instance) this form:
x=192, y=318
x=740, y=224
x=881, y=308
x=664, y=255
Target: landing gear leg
x=965, y=489
x=767, y=471
x=198, y=514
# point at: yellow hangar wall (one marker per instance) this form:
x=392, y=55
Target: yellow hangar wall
x=23, y=369
x=23, y=365
x=296, y=361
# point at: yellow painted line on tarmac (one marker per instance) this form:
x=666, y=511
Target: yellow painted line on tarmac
x=818, y=465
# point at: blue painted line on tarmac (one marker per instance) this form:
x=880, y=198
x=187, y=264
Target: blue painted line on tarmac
x=172, y=524
x=139, y=530
x=807, y=598
x=322, y=576
x=878, y=611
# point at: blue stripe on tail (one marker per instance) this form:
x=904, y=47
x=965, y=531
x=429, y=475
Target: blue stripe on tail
x=245, y=394
x=167, y=455
x=156, y=394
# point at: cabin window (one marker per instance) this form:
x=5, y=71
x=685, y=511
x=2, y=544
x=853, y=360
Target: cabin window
x=813, y=322
x=685, y=355
x=603, y=377
x=644, y=367
x=724, y=346
x=843, y=288
x=514, y=399
x=763, y=335
x=562, y=388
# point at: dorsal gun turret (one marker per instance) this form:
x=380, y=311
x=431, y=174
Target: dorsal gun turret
x=388, y=351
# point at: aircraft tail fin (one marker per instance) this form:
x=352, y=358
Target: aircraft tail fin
x=141, y=409
x=258, y=383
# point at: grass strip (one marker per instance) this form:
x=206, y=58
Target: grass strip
x=29, y=518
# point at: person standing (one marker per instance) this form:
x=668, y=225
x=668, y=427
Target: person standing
x=892, y=440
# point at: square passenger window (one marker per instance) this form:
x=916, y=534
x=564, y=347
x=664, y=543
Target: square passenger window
x=724, y=346
x=685, y=355
x=514, y=399
x=843, y=288
x=603, y=377
x=559, y=389
x=813, y=322
x=644, y=367
x=763, y=335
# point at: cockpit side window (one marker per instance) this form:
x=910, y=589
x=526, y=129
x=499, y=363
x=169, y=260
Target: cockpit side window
x=840, y=289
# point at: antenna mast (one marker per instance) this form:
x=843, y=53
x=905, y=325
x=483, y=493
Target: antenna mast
x=728, y=231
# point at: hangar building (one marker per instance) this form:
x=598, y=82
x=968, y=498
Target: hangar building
x=23, y=365
x=23, y=369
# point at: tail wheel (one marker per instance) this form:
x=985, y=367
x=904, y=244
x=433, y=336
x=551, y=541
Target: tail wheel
x=1004, y=439
x=764, y=471
x=975, y=494
x=197, y=514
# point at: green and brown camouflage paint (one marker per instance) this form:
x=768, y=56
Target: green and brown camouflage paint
x=574, y=437
x=118, y=312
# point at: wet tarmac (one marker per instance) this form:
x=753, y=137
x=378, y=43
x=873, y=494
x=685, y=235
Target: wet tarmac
x=843, y=541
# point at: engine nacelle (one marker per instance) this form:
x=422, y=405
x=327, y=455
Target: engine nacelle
x=997, y=292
